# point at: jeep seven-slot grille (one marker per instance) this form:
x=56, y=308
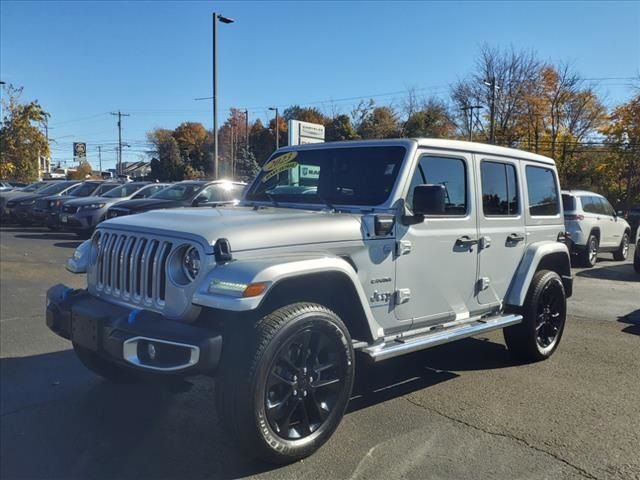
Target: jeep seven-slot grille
x=133, y=268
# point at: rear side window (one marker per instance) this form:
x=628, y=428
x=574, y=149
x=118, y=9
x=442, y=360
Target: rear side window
x=499, y=189
x=543, y=192
x=568, y=202
x=591, y=205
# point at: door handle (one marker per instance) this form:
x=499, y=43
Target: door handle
x=514, y=237
x=466, y=242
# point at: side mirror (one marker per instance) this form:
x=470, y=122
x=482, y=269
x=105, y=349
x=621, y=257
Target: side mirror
x=199, y=200
x=429, y=200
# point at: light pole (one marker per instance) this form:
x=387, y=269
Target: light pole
x=227, y=20
x=1, y=83
x=492, y=115
x=277, y=127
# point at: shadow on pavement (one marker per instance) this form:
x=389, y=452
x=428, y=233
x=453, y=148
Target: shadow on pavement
x=49, y=236
x=623, y=272
x=633, y=320
x=61, y=421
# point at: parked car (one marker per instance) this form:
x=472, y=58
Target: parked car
x=633, y=217
x=593, y=226
x=189, y=193
x=89, y=187
x=46, y=210
x=636, y=256
x=7, y=186
x=21, y=210
x=83, y=214
x=406, y=244
x=9, y=200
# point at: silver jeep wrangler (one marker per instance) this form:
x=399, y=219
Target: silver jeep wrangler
x=377, y=247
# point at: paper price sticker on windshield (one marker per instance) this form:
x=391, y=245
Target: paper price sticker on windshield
x=279, y=165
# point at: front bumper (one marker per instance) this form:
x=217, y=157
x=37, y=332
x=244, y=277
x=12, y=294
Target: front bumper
x=138, y=340
x=82, y=220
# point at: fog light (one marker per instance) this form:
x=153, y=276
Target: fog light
x=151, y=350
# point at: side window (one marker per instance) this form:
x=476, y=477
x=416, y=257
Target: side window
x=607, y=208
x=450, y=172
x=587, y=205
x=499, y=189
x=542, y=191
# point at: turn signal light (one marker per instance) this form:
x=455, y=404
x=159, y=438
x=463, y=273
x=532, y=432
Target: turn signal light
x=254, y=289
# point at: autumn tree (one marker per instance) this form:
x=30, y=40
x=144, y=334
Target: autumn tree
x=22, y=143
x=83, y=171
x=623, y=138
x=262, y=142
x=304, y=114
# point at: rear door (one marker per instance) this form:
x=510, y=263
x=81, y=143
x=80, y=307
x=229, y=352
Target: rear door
x=614, y=229
x=501, y=226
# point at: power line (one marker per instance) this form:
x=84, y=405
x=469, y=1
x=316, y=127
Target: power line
x=120, y=115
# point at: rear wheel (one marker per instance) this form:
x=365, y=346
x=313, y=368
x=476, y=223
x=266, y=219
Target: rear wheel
x=283, y=398
x=623, y=250
x=544, y=315
x=103, y=368
x=589, y=256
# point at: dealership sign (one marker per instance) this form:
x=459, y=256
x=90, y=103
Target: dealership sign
x=301, y=133
x=79, y=151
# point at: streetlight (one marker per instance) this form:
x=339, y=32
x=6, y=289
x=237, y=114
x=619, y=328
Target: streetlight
x=491, y=83
x=226, y=20
x=277, y=127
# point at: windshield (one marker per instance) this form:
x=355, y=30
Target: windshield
x=123, y=190
x=179, y=191
x=104, y=188
x=34, y=187
x=83, y=189
x=352, y=176
x=54, y=188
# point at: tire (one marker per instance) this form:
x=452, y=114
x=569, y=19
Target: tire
x=103, y=368
x=266, y=388
x=623, y=250
x=636, y=259
x=544, y=314
x=589, y=256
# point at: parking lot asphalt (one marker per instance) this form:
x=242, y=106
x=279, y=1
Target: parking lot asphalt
x=459, y=411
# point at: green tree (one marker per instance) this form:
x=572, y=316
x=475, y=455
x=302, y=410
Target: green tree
x=339, y=128
x=170, y=164
x=381, y=122
x=246, y=166
x=304, y=114
x=432, y=121
x=22, y=143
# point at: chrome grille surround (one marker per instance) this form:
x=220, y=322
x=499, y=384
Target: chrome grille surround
x=131, y=269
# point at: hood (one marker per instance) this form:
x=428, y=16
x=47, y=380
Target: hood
x=89, y=200
x=14, y=195
x=246, y=228
x=24, y=197
x=142, y=204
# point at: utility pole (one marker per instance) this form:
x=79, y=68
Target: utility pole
x=227, y=20
x=100, y=158
x=470, y=109
x=120, y=115
x=246, y=128
x=492, y=113
x=277, y=127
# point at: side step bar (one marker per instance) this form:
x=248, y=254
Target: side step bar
x=401, y=346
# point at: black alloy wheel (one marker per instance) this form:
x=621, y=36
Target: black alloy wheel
x=304, y=384
x=550, y=314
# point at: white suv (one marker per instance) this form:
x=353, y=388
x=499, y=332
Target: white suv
x=593, y=226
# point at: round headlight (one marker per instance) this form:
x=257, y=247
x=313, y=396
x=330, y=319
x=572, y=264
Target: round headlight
x=191, y=263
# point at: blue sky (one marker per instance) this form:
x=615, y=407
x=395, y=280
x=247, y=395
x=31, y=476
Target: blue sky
x=82, y=60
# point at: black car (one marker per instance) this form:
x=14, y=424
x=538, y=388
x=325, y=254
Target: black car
x=633, y=217
x=190, y=193
x=47, y=210
x=20, y=209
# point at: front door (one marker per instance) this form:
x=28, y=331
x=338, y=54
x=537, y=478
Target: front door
x=436, y=278
x=501, y=226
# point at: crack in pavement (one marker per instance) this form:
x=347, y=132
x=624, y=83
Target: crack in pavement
x=522, y=441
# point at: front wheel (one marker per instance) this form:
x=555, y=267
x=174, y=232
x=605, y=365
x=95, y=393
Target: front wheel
x=544, y=314
x=623, y=250
x=283, y=397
